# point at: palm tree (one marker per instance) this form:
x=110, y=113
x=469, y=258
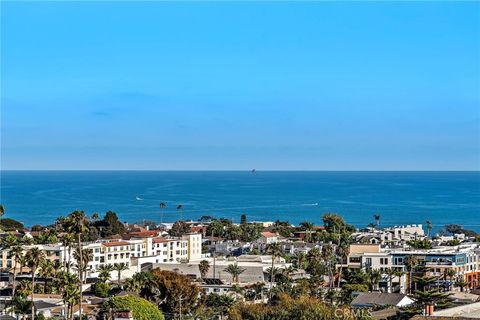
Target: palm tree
x=461, y=283
x=20, y=305
x=308, y=227
x=46, y=272
x=274, y=250
x=105, y=271
x=429, y=227
x=234, y=270
x=34, y=258
x=391, y=273
x=17, y=255
x=77, y=226
x=67, y=241
x=2, y=212
x=399, y=273
x=410, y=262
x=343, y=250
x=86, y=255
x=377, y=219
x=162, y=208
x=9, y=241
x=22, y=261
x=180, y=209
x=327, y=257
x=450, y=273
x=374, y=277
x=299, y=260
x=119, y=267
x=95, y=216
x=203, y=267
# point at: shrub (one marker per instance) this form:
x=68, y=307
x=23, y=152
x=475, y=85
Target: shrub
x=141, y=308
x=101, y=289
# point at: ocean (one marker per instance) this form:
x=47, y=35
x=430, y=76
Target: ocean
x=38, y=197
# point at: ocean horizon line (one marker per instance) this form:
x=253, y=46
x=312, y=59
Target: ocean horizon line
x=236, y=170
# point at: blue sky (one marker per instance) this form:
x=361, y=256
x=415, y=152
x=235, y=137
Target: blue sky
x=304, y=86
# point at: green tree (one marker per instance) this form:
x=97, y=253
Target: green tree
x=101, y=289
x=77, y=224
x=234, y=270
x=34, y=259
x=17, y=255
x=111, y=225
x=374, y=277
x=274, y=250
x=410, y=262
x=179, y=228
x=243, y=219
x=141, y=308
x=2, y=212
x=120, y=267
x=21, y=305
x=461, y=282
x=162, y=206
x=429, y=228
x=105, y=272
x=203, y=267
x=177, y=292
x=308, y=228
x=9, y=224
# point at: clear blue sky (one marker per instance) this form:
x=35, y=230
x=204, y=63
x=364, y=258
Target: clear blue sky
x=189, y=85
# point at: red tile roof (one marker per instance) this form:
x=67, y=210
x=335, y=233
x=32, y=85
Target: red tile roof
x=143, y=234
x=115, y=243
x=160, y=240
x=267, y=234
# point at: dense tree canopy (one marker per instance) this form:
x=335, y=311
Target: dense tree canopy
x=141, y=308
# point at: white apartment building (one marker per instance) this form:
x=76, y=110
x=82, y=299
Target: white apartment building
x=132, y=252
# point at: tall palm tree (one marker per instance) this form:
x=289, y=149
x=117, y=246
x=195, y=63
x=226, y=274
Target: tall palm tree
x=17, y=255
x=327, y=257
x=274, y=250
x=377, y=219
x=180, y=209
x=399, y=274
x=162, y=208
x=429, y=227
x=374, y=277
x=343, y=250
x=22, y=261
x=105, y=272
x=308, y=227
x=2, y=212
x=203, y=267
x=449, y=273
x=299, y=260
x=410, y=262
x=67, y=241
x=77, y=226
x=34, y=258
x=234, y=270
x=119, y=267
x=391, y=273
x=46, y=272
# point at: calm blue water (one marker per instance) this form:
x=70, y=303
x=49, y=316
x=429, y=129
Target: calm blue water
x=400, y=197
